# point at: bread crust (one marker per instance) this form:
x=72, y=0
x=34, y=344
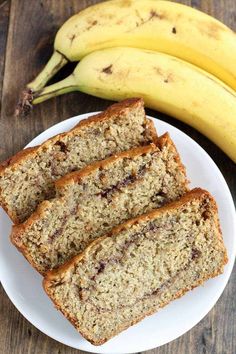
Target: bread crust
x=152, y=130
x=52, y=275
x=19, y=155
x=10, y=162
x=109, y=112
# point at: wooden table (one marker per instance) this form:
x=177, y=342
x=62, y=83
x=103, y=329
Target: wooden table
x=27, y=30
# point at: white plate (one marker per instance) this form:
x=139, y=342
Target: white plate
x=23, y=284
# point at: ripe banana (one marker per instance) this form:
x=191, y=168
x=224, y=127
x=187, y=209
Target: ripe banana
x=166, y=83
x=163, y=26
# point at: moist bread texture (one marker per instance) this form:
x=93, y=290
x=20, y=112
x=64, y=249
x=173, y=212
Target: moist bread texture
x=91, y=202
x=139, y=267
x=28, y=177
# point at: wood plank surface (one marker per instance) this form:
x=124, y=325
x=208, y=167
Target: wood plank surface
x=4, y=20
x=27, y=30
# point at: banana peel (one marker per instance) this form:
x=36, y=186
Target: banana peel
x=167, y=84
x=163, y=26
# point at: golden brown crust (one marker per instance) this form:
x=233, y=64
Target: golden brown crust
x=23, y=250
x=19, y=155
x=19, y=229
x=152, y=130
x=114, y=109
x=9, y=162
x=217, y=222
x=10, y=213
x=165, y=140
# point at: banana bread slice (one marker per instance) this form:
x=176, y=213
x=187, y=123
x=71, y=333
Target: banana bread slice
x=139, y=267
x=92, y=201
x=27, y=178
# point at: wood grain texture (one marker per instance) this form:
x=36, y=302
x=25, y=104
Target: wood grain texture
x=4, y=20
x=25, y=46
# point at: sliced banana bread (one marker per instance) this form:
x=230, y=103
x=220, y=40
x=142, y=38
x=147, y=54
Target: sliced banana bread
x=27, y=178
x=140, y=267
x=102, y=195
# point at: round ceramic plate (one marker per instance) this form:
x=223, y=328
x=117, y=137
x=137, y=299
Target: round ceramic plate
x=24, y=285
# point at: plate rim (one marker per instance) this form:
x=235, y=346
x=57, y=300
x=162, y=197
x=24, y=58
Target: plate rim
x=230, y=263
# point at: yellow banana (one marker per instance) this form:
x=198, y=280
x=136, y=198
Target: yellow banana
x=163, y=26
x=166, y=83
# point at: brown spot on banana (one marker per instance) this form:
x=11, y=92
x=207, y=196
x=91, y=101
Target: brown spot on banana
x=154, y=14
x=195, y=104
x=125, y=3
x=107, y=70
x=174, y=30
x=211, y=29
x=71, y=37
x=108, y=16
x=158, y=70
x=91, y=25
x=142, y=21
x=167, y=77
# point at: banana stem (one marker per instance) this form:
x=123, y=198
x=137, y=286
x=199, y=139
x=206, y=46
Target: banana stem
x=59, y=88
x=55, y=63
